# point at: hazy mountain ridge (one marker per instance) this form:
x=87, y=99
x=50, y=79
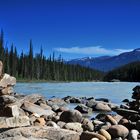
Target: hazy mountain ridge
x=107, y=63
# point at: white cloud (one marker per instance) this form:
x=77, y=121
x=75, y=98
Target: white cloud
x=92, y=50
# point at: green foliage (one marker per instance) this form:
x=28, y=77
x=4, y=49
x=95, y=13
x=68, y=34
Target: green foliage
x=129, y=72
x=38, y=67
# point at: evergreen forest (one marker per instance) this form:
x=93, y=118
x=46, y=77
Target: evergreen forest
x=30, y=66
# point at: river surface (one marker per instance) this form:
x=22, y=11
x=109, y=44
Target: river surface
x=115, y=91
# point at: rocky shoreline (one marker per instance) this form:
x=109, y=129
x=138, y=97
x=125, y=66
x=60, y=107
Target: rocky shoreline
x=33, y=117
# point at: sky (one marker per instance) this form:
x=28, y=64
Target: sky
x=72, y=28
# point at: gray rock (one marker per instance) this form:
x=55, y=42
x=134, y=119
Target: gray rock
x=71, y=116
x=70, y=99
x=83, y=109
x=38, y=132
x=74, y=126
x=11, y=122
x=91, y=103
x=53, y=124
x=30, y=107
x=133, y=135
x=11, y=111
x=7, y=80
x=61, y=124
x=6, y=99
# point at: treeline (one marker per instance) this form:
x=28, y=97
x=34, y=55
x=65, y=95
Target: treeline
x=39, y=67
x=129, y=72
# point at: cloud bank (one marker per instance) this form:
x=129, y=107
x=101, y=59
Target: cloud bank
x=92, y=50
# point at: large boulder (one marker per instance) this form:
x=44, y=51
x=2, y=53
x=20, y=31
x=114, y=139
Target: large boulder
x=30, y=107
x=7, y=80
x=39, y=133
x=11, y=122
x=118, y=131
x=71, y=116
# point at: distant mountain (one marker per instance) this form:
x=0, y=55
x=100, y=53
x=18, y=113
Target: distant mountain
x=108, y=63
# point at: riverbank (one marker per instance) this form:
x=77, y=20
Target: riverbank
x=35, y=117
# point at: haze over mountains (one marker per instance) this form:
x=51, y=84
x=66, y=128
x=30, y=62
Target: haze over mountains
x=108, y=63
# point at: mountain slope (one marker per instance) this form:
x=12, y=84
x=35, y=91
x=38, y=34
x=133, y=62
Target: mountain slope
x=107, y=63
x=129, y=72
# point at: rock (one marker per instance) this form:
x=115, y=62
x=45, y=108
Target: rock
x=71, y=116
x=7, y=80
x=55, y=108
x=74, y=126
x=117, y=117
x=37, y=132
x=56, y=118
x=44, y=106
x=117, y=138
x=106, y=126
x=36, y=109
x=52, y=124
x=103, y=100
x=70, y=99
x=136, y=89
x=94, y=139
x=118, y=131
x=125, y=112
x=123, y=121
x=110, y=119
x=11, y=122
x=125, y=100
x=6, y=99
x=100, y=106
x=89, y=135
x=40, y=121
x=56, y=101
x=7, y=91
x=32, y=98
x=61, y=124
x=105, y=134
x=133, y=135
x=1, y=68
x=83, y=109
x=97, y=122
x=138, y=125
x=87, y=125
x=11, y=111
x=91, y=103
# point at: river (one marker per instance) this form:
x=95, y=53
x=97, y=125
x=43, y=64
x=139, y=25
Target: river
x=115, y=91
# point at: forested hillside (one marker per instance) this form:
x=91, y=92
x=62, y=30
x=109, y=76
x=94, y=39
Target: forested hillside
x=39, y=67
x=129, y=72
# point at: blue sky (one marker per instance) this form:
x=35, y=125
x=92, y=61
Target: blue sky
x=73, y=28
